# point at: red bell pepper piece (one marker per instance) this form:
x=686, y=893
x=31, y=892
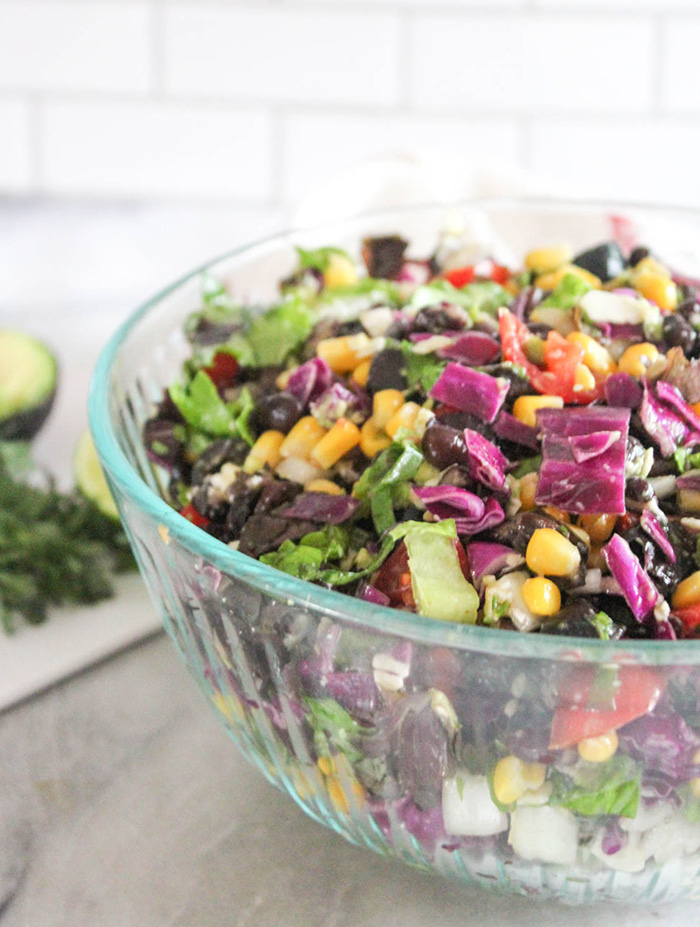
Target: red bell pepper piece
x=191, y=514
x=689, y=616
x=460, y=276
x=637, y=691
x=223, y=370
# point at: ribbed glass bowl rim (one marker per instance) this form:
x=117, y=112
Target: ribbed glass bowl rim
x=336, y=605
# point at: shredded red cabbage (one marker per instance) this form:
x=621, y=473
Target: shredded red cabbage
x=309, y=380
x=664, y=425
x=470, y=512
x=488, y=559
x=322, y=507
x=370, y=593
x=653, y=527
x=640, y=593
x=487, y=464
x=587, y=447
x=340, y=402
x=471, y=391
x=594, y=484
x=472, y=348
x=510, y=428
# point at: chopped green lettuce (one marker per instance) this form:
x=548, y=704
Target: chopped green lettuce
x=318, y=258
x=480, y=299
x=568, y=294
x=274, y=335
x=207, y=413
x=422, y=370
x=612, y=787
x=334, y=728
x=439, y=586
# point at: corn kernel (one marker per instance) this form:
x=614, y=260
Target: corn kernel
x=528, y=489
x=303, y=437
x=637, y=358
x=695, y=787
x=596, y=357
x=657, y=287
x=541, y=596
x=583, y=379
x=342, y=437
x=283, y=378
x=598, y=749
x=549, y=553
x=327, y=486
x=512, y=778
x=542, y=260
x=596, y=560
x=525, y=407
x=326, y=765
x=340, y=272
x=650, y=264
x=598, y=527
x=338, y=796
x=405, y=417
x=346, y=353
x=696, y=408
x=361, y=373
x=687, y=592
x=266, y=450
x=385, y=403
x=551, y=280
x=372, y=440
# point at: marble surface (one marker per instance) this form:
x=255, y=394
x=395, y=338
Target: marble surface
x=123, y=803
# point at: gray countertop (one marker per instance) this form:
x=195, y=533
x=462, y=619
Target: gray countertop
x=123, y=803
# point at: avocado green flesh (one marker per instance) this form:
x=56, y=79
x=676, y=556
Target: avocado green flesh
x=28, y=375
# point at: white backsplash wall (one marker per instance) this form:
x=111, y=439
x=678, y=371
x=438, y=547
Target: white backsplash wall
x=253, y=102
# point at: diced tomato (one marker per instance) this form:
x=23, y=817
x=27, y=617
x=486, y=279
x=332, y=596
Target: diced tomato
x=689, y=616
x=562, y=357
x=223, y=370
x=394, y=579
x=191, y=514
x=460, y=276
x=463, y=560
x=500, y=274
x=636, y=693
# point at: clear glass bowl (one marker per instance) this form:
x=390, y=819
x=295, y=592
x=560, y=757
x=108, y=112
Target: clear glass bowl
x=425, y=699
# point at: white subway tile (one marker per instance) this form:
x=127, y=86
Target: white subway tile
x=535, y=63
x=331, y=56
x=681, y=76
x=661, y=6
x=144, y=149
x=15, y=149
x=73, y=45
x=318, y=146
x=645, y=160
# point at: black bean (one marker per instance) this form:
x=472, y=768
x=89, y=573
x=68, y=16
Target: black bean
x=444, y=446
x=386, y=371
x=688, y=307
x=574, y=620
x=638, y=254
x=605, y=261
x=638, y=492
x=439, y=319
x=233, y=450
x=278, y=412
x=383, y=256
x=679, y=333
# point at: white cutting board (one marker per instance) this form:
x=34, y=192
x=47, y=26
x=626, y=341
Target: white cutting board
x=35, y=657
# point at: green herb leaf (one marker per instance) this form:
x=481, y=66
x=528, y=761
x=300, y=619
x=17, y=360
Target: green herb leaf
x=318, y=258
x=604, y=625
x=275, y=334
x=421, y=370
x=334, y=728
x=529, y=465
x=480, y=299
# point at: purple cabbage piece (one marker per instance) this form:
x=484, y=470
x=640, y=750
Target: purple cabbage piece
x=665, y=744
x=670, y=394
x=653, y=527
x=595, y=485
x=469, y=511
x=426, y=826
x=162, y=447
x=310, y=380
x=472, y=348
x=420, y=748
x=614, y=838
x=640, y=593
x=369, y=593
x=510, y=428
x=416, y=337
x=623, y=391
x=487, y=465
x=488, y=559
x=664, y=630
x=663, y=423
x=355, y=691
x=471, y=391
x=322, y=507
x=689, y=481
x=592, y=445
x=340, y=402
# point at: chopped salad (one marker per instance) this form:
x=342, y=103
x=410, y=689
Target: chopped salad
x=517, y=447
